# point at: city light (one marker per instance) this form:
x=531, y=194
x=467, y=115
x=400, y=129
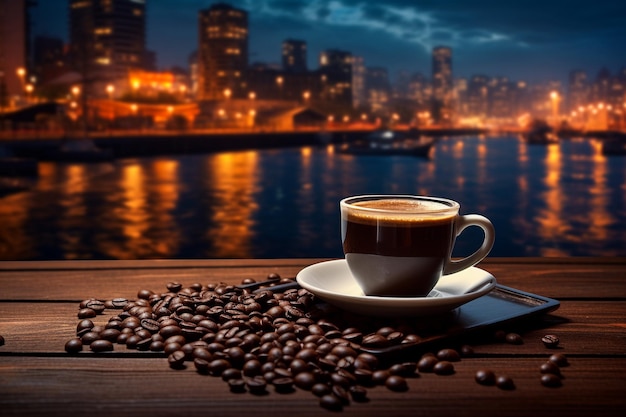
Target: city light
x=343, y=82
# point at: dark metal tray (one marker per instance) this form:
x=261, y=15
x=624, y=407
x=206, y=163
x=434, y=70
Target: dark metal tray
x=498, y=308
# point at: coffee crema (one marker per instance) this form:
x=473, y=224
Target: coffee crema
x=398, y=210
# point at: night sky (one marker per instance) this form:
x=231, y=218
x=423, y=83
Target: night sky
x=533, y=40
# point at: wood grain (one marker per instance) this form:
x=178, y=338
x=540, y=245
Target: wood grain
x=39, y=304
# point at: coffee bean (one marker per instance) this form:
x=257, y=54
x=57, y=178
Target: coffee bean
x=550, y=368
x=449, y=355
x=72, y=345
x=95, y=305
x=89, y=338
x=150, y=325
x=304, y=380
x=119, y=302
x=485, y=377
x=86, y=313
x=427, y=363
x=330, y=402
x=283, y=385
x=375, y=341
x=320, y=389
x=380, y=376
x=366, y=360
x=174, y=286
x=342, y=380
x=110, y=334
x=237, y=385
x=202, y=365
x=405, y=369
x=559, y=359
x=514, y=339
x=157, y=346
x=256, y=386
x=505, y=382
x=144, y=344
x=550, y=341
x=550, y=380
x=144, y=294
x=396, y=383
x=341, y=393
x=82, y=325
x=176, y=359
x=101, y=345
x=499, y=335
x=443, y=368
x=252, y=368
x=467, y=351
x=358, y=393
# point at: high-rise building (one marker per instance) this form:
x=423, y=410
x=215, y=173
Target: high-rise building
x=294, y=54
x=501, y=98
x=378, y=88
x=577, y=90
x=478, y=96
x=336, y=72
x=358, y=82
x=223, y=53
x=418, y=89
x=107, y=38
x=442, y=84
x=48, y=58
x=14, y=51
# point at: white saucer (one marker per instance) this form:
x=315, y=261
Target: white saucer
x=332, y=282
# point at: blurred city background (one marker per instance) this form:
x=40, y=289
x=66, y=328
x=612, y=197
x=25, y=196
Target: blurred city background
x=137, y=129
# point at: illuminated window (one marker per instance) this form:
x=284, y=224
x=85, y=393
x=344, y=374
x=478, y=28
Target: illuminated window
x=81, y=4
x=103, y=31
x=103, y=60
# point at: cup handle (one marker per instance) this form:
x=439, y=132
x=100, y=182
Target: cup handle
x=461, y=223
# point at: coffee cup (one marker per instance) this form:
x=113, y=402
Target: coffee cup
x=401, y=245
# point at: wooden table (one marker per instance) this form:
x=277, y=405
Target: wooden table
x=38, y=314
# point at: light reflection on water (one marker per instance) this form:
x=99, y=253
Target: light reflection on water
x=563, y=199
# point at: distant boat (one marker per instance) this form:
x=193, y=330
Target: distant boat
x=13, y=185
x=12, y=166
x=388, y=142
x=540, y=133
x=79, y=150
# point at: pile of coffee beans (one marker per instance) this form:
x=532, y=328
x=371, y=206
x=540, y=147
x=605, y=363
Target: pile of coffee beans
x=263, y=340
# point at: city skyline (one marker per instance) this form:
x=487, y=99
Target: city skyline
x=530, y=43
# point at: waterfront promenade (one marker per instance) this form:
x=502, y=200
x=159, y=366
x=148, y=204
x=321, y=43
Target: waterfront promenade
x=163, y=142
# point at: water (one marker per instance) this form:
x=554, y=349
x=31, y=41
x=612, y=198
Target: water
x=564, y=199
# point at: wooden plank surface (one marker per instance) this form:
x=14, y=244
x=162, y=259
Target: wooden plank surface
x=39, y=303
x=559, y=278
x=140, y=386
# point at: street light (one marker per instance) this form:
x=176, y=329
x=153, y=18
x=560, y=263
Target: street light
x=110, y=91
x=279, y=83
x=554, y=96
x=227, y=93
x=21, y=73
x=29, y=88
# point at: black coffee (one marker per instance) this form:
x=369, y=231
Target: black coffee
x=401, y=234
